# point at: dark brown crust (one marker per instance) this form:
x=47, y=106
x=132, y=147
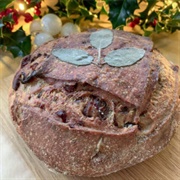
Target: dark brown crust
x=94, y=120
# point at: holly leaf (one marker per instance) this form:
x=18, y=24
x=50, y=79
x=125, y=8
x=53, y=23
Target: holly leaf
x=15, y=50
x=1, y=23
x=89, y=4
x=18, y=43
x=176, y=18
x=120, y=10
x=84, y=12
x=147, y=33
x=150, y=5
x=103, y=11
x=174, y=23
x=158, y=28
x=33, y=3
x=8, y=18
x=4, y=3
x=167, y=9
x=152, y=16
x=72, y=6
x=1, y=31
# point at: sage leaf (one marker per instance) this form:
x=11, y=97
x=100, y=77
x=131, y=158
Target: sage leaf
x=124, y=57
x=73, y=56
x=101, y=39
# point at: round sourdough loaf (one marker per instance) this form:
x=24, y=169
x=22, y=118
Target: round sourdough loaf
x=95, y=119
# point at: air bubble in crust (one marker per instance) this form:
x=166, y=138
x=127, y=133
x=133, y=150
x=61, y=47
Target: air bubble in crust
x=145, y=123
x=124, y=116
x=70, y=87
x=129, y=124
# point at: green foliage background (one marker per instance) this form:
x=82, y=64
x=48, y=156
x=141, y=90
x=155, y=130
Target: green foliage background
x=120, y=13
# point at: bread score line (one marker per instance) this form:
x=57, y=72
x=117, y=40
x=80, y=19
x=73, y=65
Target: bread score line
x=95, y=119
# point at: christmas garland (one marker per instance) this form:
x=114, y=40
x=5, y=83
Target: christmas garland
x=140, y=16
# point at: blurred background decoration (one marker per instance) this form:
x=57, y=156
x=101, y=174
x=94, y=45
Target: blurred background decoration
x=26, y=24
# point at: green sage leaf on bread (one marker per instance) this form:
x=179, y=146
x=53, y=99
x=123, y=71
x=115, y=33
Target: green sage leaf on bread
x=124, y=57
x=101, y=39
x=73, y=56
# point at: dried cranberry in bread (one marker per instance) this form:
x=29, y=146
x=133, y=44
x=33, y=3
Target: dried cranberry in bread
x=95, y=119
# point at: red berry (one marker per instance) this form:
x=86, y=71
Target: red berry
x=136, y=20
x=37, y=12
x=155, y=22
x=28, y=17
x=9, y=26
x=15, y=11
x=2, y=14
x=38, y=5
x=132, y=24
x=15, y=18
x=8, y=11
x=37, y=9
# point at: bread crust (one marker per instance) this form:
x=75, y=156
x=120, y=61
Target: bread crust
x=134, y=114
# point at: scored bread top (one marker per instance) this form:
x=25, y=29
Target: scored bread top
x=132, y=84
x=119, y=95
x=95, y=119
